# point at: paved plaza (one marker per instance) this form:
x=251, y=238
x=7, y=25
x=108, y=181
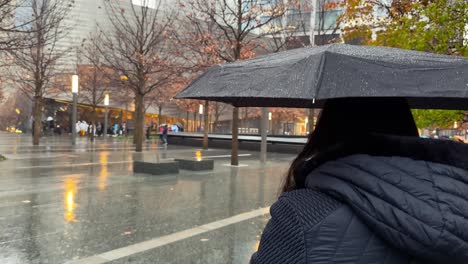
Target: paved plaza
x=84, y=204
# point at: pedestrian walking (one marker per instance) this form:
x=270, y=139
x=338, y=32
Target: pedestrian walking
x=148, y=132
x=115, y=129
x=99, y=129
x=164, y=134
x=375, y=194
x=124, y=128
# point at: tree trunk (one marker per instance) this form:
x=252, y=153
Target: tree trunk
x=159, y=115
x=207, y=124
x=311, y=123
x=186, y=125
x=194, y=122
x=37, y=124
x=139, y=122
x=246, y=119
x=235, y=136
x=210, y=118
x=216, y=119
x=93, y=123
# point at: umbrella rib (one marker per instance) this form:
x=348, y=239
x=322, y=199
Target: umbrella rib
x=319, y=75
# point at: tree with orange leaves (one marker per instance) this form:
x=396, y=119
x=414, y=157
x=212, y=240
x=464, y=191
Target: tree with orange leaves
x=285, y=115
x=189, y=106
x=161, y=97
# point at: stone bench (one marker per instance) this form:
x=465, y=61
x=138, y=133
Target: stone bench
x=156, y=168
x=195, y=165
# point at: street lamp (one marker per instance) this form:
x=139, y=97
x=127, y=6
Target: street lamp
x=106, y=105
x=269, y=122
x=75, y=99
x=306, y=122
x=200, y=111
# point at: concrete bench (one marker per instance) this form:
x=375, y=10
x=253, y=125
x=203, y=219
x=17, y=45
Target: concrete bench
x=195, y=165
x=156, y=168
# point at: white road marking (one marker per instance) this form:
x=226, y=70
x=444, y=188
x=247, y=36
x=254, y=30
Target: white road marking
x=168, y=239
x=75, y=165
x=237, y=166
x=226, y=156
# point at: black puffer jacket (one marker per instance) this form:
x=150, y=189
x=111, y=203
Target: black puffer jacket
x=385, y=200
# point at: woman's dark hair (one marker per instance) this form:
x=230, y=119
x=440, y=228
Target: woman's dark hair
x=344, y=120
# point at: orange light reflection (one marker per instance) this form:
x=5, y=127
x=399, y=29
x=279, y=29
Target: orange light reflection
x=69, y=200
x=102, y=181
x=256, y=246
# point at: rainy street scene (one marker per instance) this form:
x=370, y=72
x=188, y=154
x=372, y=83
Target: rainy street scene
x=249, y=131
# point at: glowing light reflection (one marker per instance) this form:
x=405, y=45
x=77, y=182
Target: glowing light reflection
x=256, y=246
x=69, y=200
x=102, y=181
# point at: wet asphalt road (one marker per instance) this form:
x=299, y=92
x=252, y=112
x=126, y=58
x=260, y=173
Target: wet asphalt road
x=64, y=204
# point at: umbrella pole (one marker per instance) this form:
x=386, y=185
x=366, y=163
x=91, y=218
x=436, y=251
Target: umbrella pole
x=263, y=132
x=235, y=137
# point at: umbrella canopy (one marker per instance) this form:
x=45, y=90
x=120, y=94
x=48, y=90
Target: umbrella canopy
x=306, y=77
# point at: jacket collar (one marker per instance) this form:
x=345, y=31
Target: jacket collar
x=432, y=150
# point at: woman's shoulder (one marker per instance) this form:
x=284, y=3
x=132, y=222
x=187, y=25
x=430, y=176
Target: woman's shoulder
x=327, y=229
x=284, y=239
x=308, y=206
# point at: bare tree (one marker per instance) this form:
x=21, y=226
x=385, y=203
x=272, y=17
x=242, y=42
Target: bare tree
x=36, y=66
x=14, y=23
x=96, y=78
x=217, y=110
x=328, y=23
x=138, y=48
x=163, y=96
x=231, y=30
x=290, y=30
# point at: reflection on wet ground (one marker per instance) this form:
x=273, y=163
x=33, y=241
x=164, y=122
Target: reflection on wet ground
x=60, y=204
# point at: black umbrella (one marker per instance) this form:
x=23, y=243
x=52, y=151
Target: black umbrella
x=307, y=77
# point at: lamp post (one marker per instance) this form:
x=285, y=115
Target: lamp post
x=75, y=99
x=269, y=122
x=124, y=78
x=200, y=111
x=306, y=121
x=106, y=105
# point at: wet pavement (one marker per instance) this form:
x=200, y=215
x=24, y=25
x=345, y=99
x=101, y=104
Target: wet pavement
x=83, y=204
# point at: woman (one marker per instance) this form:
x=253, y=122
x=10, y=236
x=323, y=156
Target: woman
x=367, y=189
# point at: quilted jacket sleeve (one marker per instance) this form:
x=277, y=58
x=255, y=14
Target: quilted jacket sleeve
x=310, y=227
x=283, y=240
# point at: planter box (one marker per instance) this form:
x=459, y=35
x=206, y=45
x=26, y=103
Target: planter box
x=156, y=168
x=195, y=165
